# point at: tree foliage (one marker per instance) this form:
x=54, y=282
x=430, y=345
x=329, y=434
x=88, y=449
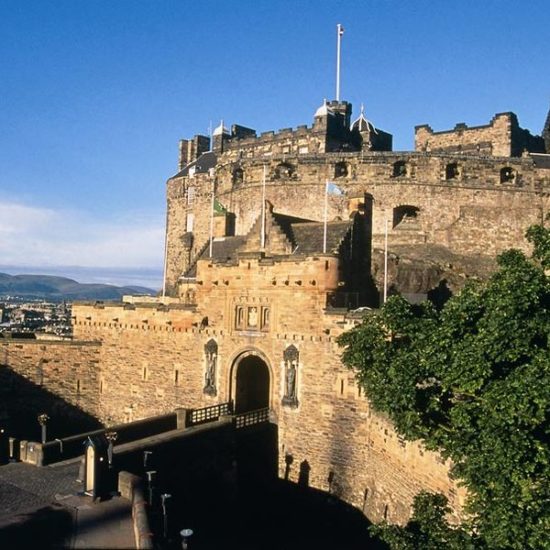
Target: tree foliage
x=427, y=529
x=473, y=381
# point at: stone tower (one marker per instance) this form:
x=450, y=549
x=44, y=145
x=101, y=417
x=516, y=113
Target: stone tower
x=546, y=133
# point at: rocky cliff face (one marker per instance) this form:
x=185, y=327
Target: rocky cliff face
x=416, y=271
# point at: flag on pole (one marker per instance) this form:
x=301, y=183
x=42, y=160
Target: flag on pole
x=340, y=30
x=330, y=189
x=262, y=235
x=333, y=189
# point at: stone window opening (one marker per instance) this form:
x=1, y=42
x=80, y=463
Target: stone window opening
x=176, y=377
x=404, y=214
x=238, y=176
x=341, y=170
x=507, y=175
x=78, y=386
x=189, y=222
x=399, y=169
x=190, y=195
x=452, y=171
x=284, y=170
x=144, y=373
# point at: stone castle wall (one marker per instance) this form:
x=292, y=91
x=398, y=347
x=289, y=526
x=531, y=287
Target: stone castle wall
x=502, y=137
x=153, y=360
x=333, y=430
x=127, y=371
x=486, y=197
x=67, y=369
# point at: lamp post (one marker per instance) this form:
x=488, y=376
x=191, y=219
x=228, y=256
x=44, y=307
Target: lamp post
x=111, y=438
x=185, y=535
x=164, y=497
x=150, y=475
x=43, y=420
x=146, y=455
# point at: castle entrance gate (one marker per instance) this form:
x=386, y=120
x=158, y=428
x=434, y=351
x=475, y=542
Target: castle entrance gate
x=252, y=383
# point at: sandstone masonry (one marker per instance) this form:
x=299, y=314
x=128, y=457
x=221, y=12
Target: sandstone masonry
x=258, y=287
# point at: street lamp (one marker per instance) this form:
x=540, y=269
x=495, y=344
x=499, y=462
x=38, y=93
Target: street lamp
x=185, y=535
x=111, y=438
x=146, y=455
x=165, y=497
x=150, y=475
x=43, y=420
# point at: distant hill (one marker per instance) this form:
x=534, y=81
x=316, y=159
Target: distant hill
x=53, y=288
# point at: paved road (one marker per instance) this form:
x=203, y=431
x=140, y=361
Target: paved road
x=41, y=508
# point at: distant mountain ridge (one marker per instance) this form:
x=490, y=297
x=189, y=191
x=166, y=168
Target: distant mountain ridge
x=54, y=288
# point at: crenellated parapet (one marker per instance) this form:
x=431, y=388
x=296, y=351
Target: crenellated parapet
x=502, y=137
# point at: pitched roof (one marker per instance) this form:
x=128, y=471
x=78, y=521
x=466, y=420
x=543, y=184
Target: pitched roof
x=200, y=166
x=223, y=249
x=308, y=237
x=301, y=237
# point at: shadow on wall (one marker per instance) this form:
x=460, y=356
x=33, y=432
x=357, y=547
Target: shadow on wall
x=256, y=509
x=21, y=401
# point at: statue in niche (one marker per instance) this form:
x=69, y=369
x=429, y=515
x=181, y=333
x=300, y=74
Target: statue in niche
x=252, y=316
x=291, y=362
x=211, y=357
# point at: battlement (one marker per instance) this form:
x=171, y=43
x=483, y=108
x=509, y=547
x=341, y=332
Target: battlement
x=331, y=131
x=502, y=137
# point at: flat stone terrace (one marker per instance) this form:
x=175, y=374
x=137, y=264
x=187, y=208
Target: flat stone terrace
x=41, y=508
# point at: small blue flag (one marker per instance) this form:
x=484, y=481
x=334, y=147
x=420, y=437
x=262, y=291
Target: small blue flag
x=333, y=189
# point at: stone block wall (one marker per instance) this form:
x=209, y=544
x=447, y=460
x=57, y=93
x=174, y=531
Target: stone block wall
x=330, y=434
x=64, y=368
x=507, y=192
x=502, y=137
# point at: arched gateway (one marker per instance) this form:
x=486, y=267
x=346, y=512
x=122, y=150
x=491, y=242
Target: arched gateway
x=251, y=382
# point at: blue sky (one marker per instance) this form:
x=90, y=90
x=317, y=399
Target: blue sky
x=94, y=96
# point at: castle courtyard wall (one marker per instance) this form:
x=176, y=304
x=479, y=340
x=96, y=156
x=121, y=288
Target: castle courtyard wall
x=68, y=369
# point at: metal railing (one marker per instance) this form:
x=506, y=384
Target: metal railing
x=251, y=418
x=208, y=414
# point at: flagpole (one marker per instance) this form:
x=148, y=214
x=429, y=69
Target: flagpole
x=262, y=236
x=339, y=33
x=325, y=220
x=212, y=219
x=386, y=262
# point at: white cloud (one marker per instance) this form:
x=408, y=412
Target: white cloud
x=31, y=235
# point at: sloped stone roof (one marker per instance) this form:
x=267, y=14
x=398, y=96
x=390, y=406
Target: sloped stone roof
x=286, y=235
x=201, y=165
x=308, y=237
x=222, y=250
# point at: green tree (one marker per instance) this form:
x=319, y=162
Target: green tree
x=427, y=529
x=473, y=381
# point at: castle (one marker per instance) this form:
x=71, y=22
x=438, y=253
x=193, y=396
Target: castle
x=272, y=250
